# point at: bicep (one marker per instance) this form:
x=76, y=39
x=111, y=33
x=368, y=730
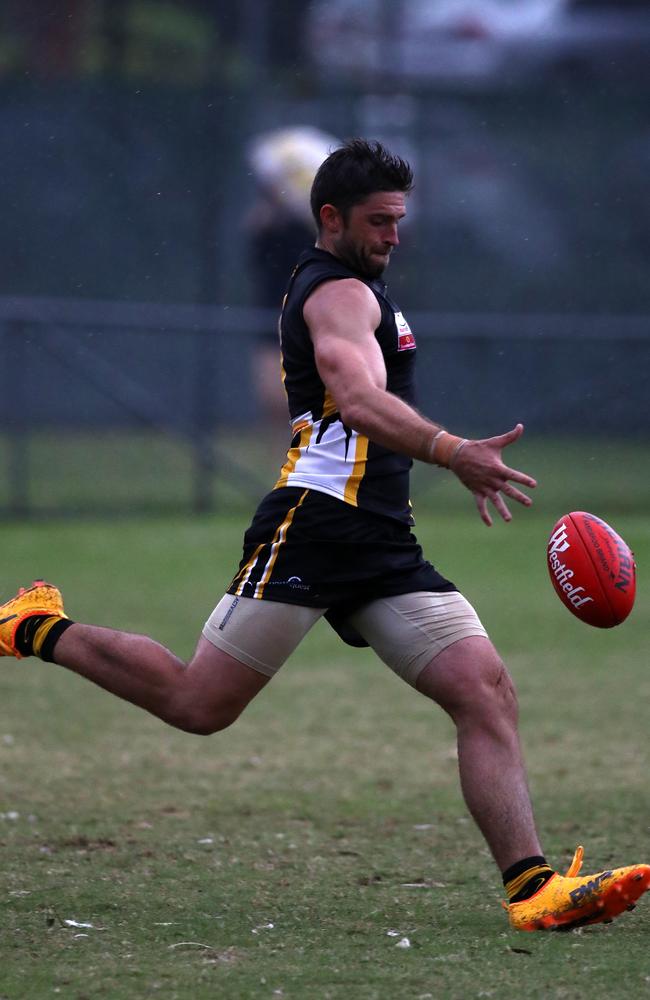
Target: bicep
x=342, y=322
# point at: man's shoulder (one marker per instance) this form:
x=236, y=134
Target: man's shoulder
x=317, y=270
x=342, y=292
x=316, y=266
x=314, y=259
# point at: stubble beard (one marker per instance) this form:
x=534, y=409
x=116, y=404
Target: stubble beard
x=359, y=261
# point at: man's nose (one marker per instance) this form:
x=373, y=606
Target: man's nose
x=391, y=236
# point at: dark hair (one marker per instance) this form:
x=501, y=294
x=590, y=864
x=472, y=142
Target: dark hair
x=357, y=169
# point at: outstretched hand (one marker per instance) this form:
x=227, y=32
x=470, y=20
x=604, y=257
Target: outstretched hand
x=480, y=468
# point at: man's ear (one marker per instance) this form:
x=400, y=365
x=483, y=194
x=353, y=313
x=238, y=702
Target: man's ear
x=331, y=219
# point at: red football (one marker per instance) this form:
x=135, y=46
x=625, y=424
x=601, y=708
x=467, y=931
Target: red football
x=592, y=569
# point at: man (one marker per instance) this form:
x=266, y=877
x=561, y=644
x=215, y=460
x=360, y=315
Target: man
x=279, y=225
x=333, y=537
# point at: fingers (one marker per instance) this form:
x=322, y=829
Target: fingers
x=499, y=503
x=501, y=506
x=483, y=452
x=494, y=495
x=519, y=477
x=486, y=476
x=502, y=440
x=515, y=494
x=481, y=503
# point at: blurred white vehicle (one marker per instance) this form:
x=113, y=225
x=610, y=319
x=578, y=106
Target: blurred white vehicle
x=471, y=41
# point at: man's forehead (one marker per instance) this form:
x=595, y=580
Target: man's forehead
x=390, y=202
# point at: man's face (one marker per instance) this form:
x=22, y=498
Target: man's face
x=366, y=240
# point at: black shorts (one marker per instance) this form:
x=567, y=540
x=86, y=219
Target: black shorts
x=305, y=547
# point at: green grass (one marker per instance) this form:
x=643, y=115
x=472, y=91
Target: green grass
x=130, y=472
x=331, y=810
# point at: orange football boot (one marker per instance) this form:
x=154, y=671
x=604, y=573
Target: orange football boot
x=569, y=901
x=39, y=599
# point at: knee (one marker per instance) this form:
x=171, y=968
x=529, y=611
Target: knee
x=203, y=720
x=474, y=682
x=203, y=726
x=498, y=688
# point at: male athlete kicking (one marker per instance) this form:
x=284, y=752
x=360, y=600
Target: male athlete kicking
x=333, y=538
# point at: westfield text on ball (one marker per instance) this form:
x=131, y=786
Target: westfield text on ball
x=592, y=569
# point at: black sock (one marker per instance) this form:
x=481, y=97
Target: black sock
x=28, y=628
x=52, y=637
x=526, y=877
x=26, y=631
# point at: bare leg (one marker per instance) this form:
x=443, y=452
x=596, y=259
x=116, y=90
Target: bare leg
x=470, y=682
x=201, y=697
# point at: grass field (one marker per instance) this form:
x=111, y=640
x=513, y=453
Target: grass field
x=82, y=474
x=291, y=855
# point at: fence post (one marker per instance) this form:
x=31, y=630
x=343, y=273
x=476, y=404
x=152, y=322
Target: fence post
x=17, y=430
x=202, y=420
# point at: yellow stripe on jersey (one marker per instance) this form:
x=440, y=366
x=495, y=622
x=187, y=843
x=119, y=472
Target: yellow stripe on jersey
x=329, y=406
x=353, y=483
x=246, y=571
x=293, y=455
x=300, y=426
x=278, y=539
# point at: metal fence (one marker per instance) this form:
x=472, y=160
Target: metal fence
x=93, y=376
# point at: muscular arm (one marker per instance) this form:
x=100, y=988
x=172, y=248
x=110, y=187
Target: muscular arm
x=342, y=316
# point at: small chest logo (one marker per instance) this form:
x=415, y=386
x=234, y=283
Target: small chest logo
x=405, y=338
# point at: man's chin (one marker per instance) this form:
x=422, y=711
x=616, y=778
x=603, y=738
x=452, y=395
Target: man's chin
x=376, y=267
x=369, y=266
x=372, y=265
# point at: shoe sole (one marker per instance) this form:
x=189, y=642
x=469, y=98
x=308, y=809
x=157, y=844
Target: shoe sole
x=620, y=896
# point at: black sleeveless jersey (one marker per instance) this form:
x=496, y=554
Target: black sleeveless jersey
x=325, y=455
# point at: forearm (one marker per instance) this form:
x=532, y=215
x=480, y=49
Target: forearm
x=387, y=420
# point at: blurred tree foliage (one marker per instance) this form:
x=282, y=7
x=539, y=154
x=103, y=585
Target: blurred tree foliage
x=164, y=42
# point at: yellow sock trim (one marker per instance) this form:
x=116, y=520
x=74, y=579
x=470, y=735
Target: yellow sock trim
x=41, y=633
x=515, y=885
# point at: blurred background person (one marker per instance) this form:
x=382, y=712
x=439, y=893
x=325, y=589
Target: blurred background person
x=279, y=226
